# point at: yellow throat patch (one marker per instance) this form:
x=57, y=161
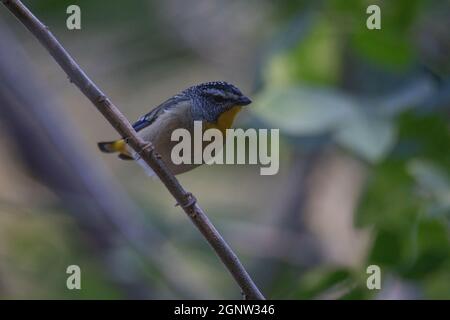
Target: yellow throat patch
x=225, y=120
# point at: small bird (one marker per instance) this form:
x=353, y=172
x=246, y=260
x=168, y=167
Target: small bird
x=215, y=104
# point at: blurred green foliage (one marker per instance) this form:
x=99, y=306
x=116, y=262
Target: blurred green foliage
x=330, y=81
x=308, y=92
x=411, y=236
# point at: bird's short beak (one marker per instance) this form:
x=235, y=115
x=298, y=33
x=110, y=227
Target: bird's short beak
x=243, y=101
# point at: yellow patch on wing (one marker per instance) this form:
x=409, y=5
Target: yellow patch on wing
x=225, y=120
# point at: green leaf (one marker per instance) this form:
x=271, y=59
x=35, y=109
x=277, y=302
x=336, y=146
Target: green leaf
x=316, y=59
x=304, y=111
x=433, y=183
x=386, y=248
x=433, y=248
x=301, y=111
x=370, y=137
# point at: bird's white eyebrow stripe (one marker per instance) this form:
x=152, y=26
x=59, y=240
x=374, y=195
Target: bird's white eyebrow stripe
x=221, y=93
x=215, y=92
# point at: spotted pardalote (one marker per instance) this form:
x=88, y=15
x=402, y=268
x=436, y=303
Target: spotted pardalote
x=215, y=104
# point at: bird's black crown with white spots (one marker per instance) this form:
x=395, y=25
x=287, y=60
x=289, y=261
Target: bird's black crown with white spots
x=211, y=99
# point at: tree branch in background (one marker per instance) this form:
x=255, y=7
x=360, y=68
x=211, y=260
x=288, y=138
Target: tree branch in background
x=148, y=154
x=290, y=216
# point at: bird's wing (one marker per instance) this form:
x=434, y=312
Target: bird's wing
x=150, y=117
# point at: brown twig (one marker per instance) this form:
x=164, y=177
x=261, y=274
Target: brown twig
x=52, y=151
x=124, y=128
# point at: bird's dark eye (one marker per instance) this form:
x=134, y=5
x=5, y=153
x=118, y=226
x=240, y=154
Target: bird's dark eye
x=219, y=98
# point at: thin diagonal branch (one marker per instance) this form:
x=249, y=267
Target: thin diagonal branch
x=148, y=154
x=53, y=152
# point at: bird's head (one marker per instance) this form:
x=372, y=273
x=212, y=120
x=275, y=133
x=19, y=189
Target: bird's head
x=212, y=99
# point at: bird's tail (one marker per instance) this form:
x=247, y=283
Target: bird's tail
x=117, y=146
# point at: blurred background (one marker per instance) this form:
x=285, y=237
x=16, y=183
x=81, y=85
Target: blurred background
x=364, y=153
